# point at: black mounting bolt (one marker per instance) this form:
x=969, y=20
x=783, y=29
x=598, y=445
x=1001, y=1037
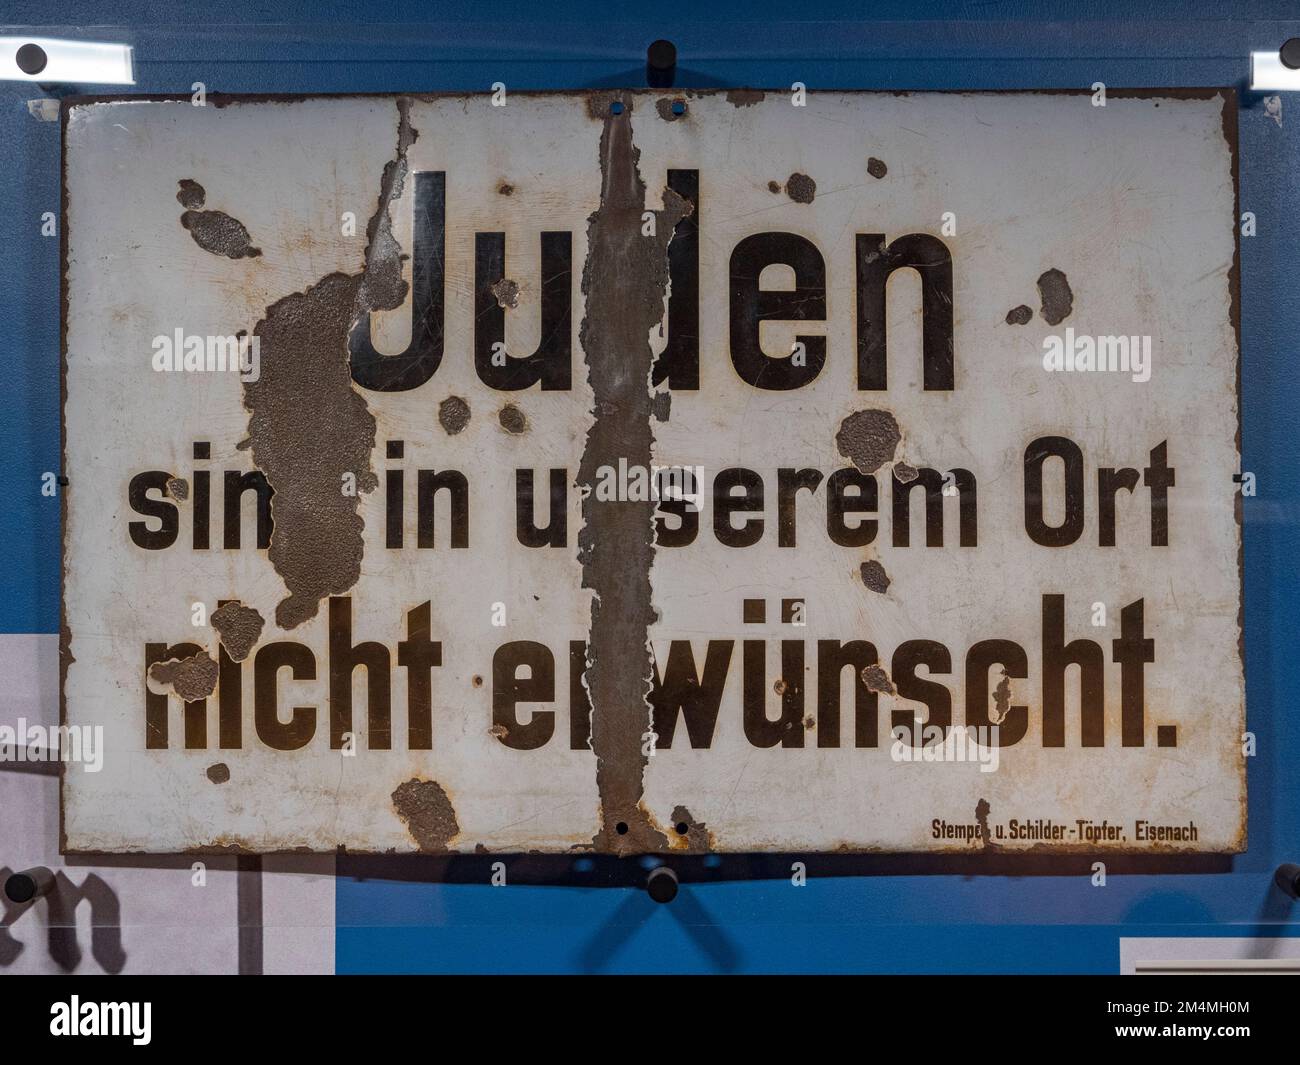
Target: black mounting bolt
x=1289, y=53
x=660, y=64
x=662, y=884
x=1287, y=878
x=31, y=59
x=29, y=884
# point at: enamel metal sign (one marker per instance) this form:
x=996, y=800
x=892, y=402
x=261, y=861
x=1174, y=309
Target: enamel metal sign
x=631, y=472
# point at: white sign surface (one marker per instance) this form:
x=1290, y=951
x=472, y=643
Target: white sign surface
x=641, y=471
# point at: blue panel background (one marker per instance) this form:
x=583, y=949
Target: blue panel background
x=874, y=923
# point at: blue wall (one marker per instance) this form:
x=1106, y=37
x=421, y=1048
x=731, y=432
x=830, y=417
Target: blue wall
x=891, y=923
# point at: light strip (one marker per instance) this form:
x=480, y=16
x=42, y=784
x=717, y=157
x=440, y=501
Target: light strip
x=77, y=62
x=1269, y=74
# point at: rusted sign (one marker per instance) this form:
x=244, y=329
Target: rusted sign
x=639, y=471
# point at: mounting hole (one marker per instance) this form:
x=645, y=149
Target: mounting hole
x=1289, y=53
x=682, y=828
x=616, y=108
x=621, y=828
x=31, y=58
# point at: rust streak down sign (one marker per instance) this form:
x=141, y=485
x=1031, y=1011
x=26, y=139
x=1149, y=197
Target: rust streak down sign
x=622, y=472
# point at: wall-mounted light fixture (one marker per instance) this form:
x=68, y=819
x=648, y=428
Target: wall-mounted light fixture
x=51, y=62
x=1276, y=71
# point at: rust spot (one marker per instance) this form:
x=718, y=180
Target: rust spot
x=499, y=731
x=178, y=488
x=905, y=473
x=512, y=419
x=665, y=108
x=309, y=429
x=239, y=628
x=316, y=535
x=600, y=104
x=219, y=233
x=191, y=678
x=191, y=195
x=477, y=681
x=507, y=293
x=780, y=686
x=382, y=285
x=982, y=810
x=453, y=414
x=745, y=97
x=506, y=189
x=1002, y=699
x=809, y=723
x=1056, y=297
x=1019, y=315
x=219, y=772
x=689, y=834
x=877, y=680
x=800, y=188
x=624, y=280
x=874, y=576
x=213, y=231
x=774, y=186
x=877, y=168
x=428, y=814
x=868, y=438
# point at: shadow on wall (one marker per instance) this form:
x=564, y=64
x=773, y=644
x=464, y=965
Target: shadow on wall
x=600, y=870
x=61, y=904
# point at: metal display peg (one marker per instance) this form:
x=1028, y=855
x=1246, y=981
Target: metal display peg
x=660, y=64
x=29, y=884
x=661, y=884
